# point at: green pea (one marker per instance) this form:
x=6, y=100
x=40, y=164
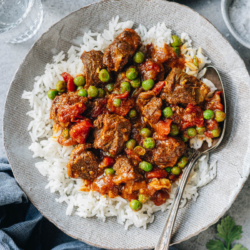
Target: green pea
x=146, y=166
x=109, y=171
x=167, y=112
x=61, y=86
x=131, y=144
x=220, y=116
x=93, y=91
x=200, y=130
x=136, y=83
x=143, y=198
x=132, y=113
x=177, y=51
x=216, y=132
x=149, y=142
x=168, y=169
x=65, y=133
x=195, y=61
x=83, y=92
x=104, y=75
x=79, y=81
x=135, y=205
x=148, y=84
x=183, y=162
x=110, y=87
x=139, y=57
x=176, y=170
x=208, y=114
x=117, y=102
x=80, y=87
x=52, y=93
x=131, y=73
x=145, y=132
x=191, y=132
x=101, y=93
x=125, y=86
x=176, y=41
x=185, y=139
x=174, y=130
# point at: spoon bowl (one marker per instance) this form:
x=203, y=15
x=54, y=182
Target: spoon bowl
x=163, y=244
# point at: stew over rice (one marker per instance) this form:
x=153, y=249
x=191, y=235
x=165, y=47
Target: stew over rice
x=130, y=116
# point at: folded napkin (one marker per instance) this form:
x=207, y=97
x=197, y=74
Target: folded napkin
x=21, y=224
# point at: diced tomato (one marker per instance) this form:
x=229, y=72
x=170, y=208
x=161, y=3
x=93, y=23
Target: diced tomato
x=80, y=131
x=212, y=124
x=158, y=87
x=214, y=103
x=208, y=134
x=122, y=96
x=162, y=128
x=108, y=161
x=69, y=80
x=69, y=113
x=157, y=173
x=193, y=116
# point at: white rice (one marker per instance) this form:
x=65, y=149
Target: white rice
x=44, y=144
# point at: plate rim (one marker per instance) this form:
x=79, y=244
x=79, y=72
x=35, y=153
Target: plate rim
x=4, y=125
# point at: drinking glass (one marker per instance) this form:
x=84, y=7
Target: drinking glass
x=20, y=19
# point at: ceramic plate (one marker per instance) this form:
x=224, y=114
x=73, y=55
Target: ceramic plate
x=233, y=155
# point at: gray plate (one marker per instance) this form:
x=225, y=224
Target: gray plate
x=233, y=155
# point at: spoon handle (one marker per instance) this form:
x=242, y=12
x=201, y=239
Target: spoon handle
x=164, y=241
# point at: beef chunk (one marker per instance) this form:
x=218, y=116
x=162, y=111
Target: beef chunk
x=118, y=53
x=151, y=70
x=125, y=171
x=97, y=107
x=93, y=63
x=67, y=107
x=167, y=152
x=82, y=164
x=177, y=115
x=182, y=88
x=150, y=106
x=111, y=133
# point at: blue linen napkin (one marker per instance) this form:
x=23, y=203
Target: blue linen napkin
x=21, y=224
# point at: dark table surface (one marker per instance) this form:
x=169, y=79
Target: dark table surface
x=54, y=10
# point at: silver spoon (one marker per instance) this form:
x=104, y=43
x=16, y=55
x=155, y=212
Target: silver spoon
x=163, y=244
